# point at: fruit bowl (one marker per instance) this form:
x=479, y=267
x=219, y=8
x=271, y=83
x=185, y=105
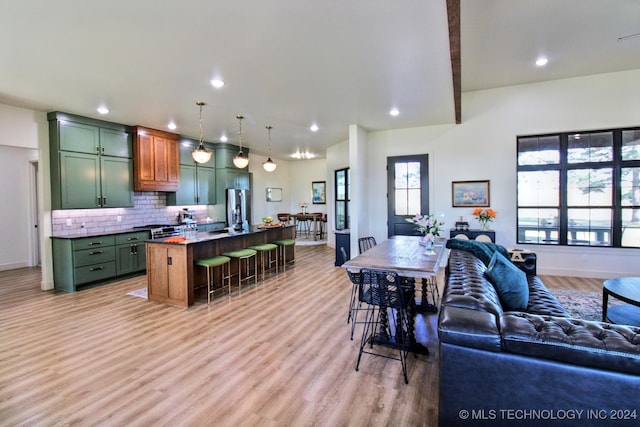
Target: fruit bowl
x=267, y=219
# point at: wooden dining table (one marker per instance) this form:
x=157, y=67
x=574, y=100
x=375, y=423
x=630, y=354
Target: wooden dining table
x=405, y=256
x=315, y=217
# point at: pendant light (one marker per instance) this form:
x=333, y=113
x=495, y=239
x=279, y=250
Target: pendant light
x=201, y=154
x=269, y=165
x=240, y=160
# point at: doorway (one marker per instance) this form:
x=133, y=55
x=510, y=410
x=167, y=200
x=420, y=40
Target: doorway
x=407, y=192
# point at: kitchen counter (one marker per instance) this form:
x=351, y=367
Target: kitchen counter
x=171, y=276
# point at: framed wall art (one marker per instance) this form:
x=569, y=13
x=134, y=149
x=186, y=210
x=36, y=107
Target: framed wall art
x=319, y=191
x=274, y=194
x=469, y=194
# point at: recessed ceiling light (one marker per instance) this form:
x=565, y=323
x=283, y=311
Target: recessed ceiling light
x=541, y=62
x=394, y=112
x=172, y=126
x=103, y=110
x=223, y=138
x=217, y=83
x=314, y=128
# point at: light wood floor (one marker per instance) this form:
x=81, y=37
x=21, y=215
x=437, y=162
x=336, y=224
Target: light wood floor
x=275, y=355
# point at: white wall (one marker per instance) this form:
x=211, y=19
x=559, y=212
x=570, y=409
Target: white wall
x=16, y=194
x=27, y=130
x=484, y=147
x=302, y=173
x=261, y=180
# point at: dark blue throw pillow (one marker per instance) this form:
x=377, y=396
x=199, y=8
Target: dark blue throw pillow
x=510, y=282
x=482, y=250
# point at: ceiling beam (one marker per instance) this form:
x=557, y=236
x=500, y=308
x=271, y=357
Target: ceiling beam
x=453, y=16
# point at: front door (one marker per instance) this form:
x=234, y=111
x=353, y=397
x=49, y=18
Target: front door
x=407, y=192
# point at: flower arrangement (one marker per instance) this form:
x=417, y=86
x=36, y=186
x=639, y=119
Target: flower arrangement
x=303, y=206
x=484, y=216
x=427, y=225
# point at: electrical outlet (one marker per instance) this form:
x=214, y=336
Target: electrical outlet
x=119, y=219
x=69, y=223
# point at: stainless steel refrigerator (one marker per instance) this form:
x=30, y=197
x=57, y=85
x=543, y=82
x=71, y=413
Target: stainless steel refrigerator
x=238, y=208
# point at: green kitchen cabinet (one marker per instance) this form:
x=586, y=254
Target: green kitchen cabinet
x=89, y=261
x=91, y=163
x=197, y=181
x=231, y=178
x=131, y=254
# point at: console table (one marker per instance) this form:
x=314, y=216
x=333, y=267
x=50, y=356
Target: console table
x=473, y=234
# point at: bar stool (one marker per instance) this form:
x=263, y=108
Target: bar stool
x=282, y=249
x=267, y=248
x=210, y=264
x=244, y=255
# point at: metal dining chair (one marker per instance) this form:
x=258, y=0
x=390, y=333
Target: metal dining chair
x=387, y=319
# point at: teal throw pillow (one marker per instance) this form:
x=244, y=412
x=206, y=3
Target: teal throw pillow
x=510, y=282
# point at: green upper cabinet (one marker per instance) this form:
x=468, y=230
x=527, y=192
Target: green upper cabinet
x=91, y=163
x=197, y=181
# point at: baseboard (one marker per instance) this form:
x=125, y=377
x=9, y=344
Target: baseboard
x=13, y=266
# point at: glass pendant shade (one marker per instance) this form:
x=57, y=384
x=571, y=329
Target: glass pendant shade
x=269, y=165
x=201, y=154
x=240, y=160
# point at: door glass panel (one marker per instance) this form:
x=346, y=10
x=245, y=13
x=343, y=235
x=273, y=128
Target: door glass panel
x=407, y=188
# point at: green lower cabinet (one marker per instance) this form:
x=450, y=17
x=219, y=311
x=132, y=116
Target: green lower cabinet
x=96, y=259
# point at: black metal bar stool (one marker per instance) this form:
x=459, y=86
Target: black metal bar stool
x=211, y=264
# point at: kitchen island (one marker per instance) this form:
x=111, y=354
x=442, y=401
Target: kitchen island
x=171, y=276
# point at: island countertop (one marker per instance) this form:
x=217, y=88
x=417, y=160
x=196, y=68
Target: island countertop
x=206, y=236
x=171, y=273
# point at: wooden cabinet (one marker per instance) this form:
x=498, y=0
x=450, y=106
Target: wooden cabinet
x=155, y=160
x=197, y=182
x=98, y=259
x=169, y=272
x=91, y=165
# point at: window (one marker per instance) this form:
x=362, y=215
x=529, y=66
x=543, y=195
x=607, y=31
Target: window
x=580, y=189
x=343, y=196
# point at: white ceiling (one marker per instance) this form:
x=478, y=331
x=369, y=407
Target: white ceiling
x=291, y=63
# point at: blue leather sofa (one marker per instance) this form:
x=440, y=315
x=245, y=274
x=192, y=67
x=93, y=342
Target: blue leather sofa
x=537, y=367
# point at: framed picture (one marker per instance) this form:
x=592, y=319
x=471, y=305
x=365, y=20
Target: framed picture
x=470, y=194
x=319, y=191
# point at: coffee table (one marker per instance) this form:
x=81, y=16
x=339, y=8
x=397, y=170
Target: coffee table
x=625, y=289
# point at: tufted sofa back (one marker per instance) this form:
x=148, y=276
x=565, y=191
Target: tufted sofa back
x=467, y=285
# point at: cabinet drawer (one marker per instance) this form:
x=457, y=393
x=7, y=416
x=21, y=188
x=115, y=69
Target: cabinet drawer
x=92, y=273
x=137, y=237
x=93, y=242
x=94, y=256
